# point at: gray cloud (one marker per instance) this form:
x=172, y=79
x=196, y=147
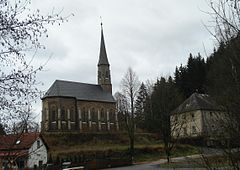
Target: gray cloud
x=152, y=37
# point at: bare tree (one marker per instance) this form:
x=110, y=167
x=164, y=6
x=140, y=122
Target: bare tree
x=20, y=32
x=225, y=18
x=26, y=123
x=226, y=23
x=130, y=85
x=122, y=105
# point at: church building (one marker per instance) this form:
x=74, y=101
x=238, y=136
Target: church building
x=71, y=106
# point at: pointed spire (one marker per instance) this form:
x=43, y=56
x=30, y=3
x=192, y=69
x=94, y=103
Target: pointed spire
x=103, y=60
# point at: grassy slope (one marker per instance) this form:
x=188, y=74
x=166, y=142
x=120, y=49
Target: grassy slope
x=148, y=146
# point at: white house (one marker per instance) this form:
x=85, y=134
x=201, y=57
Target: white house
x=26, y=150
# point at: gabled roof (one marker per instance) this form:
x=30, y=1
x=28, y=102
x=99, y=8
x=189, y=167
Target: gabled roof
x=80, y=91
x=17, y=141
x=197, y=102
x=103, y=60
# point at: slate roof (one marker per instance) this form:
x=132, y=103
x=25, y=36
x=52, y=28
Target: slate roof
x=80, y=91
x=197, y=102
x=103, y=60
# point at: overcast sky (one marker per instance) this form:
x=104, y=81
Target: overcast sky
x=151, y=36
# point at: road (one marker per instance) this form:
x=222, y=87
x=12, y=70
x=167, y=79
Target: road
x=151, y=166
x=156, y=165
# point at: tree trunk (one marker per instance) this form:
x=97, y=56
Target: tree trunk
x=168, y=155
x=132, y=149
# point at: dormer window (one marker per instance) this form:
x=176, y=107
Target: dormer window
x=18, y=142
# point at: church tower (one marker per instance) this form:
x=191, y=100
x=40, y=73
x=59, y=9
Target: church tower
x=104, y=77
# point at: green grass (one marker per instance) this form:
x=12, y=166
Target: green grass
x=184, y=150
x=179, y=150
x=148, y=157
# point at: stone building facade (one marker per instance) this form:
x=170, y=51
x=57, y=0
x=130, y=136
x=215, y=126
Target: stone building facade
x=79, y=107
x=197, y=116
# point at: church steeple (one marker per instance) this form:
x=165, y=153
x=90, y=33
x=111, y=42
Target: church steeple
x=104, y=76
x=103, y=60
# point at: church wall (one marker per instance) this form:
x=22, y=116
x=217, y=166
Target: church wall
x=59, y=114
x=103, y=112
x=68, y=114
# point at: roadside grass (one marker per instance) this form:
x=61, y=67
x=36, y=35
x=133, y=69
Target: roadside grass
x=179, y=150
x=143, y=153
x=148, y=157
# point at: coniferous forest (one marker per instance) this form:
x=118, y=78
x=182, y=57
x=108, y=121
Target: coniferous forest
x=217, y=75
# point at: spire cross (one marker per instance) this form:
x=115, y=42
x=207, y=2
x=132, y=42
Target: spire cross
x=101, y=20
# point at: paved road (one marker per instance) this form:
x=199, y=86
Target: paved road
x=156, y=165
x=151, y=167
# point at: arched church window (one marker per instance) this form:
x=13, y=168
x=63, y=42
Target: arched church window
x=107, y=75
x=102, y=115
x=93, y=115
x=112, y=116
x=84, y=115
x=53, y=113
x=63, y=113
x=72, y=114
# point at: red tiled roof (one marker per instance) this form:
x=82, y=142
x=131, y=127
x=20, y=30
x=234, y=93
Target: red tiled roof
x=17, y=142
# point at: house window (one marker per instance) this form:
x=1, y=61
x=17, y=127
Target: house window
x=184, y=116
x=93, y=115
x=84, y=115
x=213, y=127
x=194, y=130
x=176, y=118
x=193, y=116
x=40, y=164
x=38, y=143
x=211, y=114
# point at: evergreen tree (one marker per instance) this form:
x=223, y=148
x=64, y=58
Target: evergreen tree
x=140, y=105
x=192, y=77
x=165, y=98
x=224, y=78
